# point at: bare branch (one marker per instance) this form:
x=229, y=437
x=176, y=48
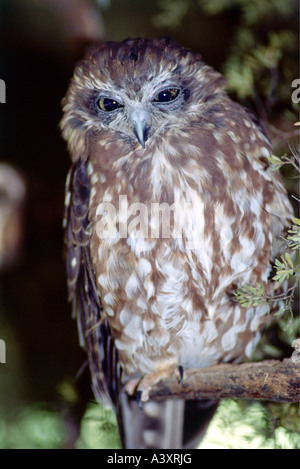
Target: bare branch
x=270, y=380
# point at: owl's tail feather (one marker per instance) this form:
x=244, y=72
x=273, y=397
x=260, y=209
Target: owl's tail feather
x=197, y=417
x=171, y=424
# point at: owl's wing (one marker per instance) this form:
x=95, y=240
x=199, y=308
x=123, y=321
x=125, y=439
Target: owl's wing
x=94, y=332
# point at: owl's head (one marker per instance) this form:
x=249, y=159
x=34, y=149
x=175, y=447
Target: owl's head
x=136, y=89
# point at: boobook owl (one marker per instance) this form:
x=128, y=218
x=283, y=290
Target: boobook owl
x=170, y=206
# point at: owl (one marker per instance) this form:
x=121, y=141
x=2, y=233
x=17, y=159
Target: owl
x=171, y=204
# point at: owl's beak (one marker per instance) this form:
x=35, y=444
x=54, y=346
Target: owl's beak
x=140, y=118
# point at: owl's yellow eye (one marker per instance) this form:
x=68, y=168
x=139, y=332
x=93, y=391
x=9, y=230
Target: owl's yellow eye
x=166, y=95
x=108, y=104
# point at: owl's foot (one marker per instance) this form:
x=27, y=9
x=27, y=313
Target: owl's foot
x=144, y=386
x=139, y=399
x=181, y=373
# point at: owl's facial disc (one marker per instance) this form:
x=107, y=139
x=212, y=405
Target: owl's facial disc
x=140, y=119
x=138, y=115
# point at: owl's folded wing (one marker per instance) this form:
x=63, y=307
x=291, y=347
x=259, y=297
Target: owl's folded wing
x=94, y=332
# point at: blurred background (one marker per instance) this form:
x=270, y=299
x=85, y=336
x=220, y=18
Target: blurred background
x=45, y=397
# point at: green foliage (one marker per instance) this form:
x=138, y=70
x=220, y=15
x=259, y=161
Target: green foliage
x=37, y=426
x=172, y=13
x=33, y=427
x=286, y=415
x=279, y=162
x=294, y=235
x=287, y=270
x=238, y=424
x=249, y=296
x=262, y=61
x=242, y=424
x=253, y=66
x=252, y=11
x=99, y=429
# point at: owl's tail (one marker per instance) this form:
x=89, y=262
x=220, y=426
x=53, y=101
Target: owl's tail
x=171, y=424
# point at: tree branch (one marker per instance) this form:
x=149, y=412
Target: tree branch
x=270, y=380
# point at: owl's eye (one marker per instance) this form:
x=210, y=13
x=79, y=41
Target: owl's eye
x=166, y=95
x=108, y=104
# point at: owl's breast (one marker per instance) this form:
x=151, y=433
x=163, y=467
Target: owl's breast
x=165, y=272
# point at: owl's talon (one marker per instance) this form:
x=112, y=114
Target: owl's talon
x=180, y=370
x=139, y=398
